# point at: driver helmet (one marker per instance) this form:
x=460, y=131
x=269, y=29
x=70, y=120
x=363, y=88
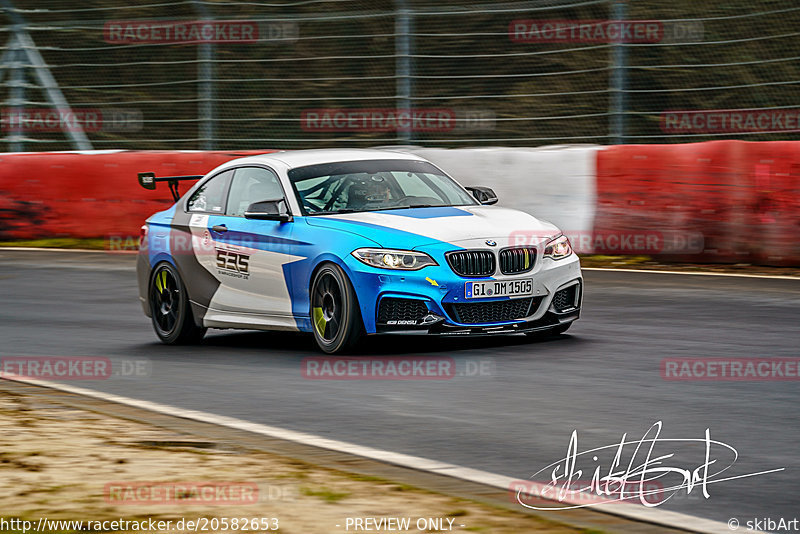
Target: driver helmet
x=374, y=188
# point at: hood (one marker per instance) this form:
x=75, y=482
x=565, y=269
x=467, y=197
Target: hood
x=465, y=226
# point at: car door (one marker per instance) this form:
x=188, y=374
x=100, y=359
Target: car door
x=191, y=243
x=251, y=256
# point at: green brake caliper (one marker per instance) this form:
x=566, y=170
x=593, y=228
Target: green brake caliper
x=161, y=281
x=319, y=321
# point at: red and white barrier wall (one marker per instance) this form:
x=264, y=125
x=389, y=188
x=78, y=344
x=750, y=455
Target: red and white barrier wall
x=89, y=194
x=720, y=201
x=742, y=198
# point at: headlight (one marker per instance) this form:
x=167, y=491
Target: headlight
x=558, y=248
x=385, y=258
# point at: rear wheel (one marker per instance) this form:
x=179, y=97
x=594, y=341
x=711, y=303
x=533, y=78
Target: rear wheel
x=170, y=309
x=336, y=320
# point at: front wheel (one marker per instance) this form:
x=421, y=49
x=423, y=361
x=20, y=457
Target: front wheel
x=336, y=320
x=170, y=309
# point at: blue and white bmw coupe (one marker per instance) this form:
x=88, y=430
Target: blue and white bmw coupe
x=343, y=243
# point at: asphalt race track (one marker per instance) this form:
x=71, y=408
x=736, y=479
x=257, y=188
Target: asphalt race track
x=602, y=379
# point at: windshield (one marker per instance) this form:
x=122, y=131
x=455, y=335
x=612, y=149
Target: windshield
x=351, y=186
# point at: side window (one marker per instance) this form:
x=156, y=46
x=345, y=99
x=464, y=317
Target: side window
x=252, y=184
x=211, y=195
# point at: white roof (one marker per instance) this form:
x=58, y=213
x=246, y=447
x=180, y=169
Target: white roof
x=301, y=158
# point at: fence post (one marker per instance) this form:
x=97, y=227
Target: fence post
x=16, y=92
x=618, y=79
x=206, y=110
x=403, y=66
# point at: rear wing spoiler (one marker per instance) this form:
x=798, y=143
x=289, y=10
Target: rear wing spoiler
x=148, y=180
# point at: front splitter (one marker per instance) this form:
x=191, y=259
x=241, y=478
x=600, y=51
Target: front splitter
x=548, y=321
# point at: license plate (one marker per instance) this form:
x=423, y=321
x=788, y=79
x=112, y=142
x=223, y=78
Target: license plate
x=498, y=288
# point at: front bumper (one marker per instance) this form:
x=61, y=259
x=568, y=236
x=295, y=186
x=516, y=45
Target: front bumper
x=432, y=300
x=546, y=322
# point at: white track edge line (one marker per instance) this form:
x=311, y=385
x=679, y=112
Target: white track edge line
x=650, y=515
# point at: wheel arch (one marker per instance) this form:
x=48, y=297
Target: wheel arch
x=326, y=259
x=162, y=259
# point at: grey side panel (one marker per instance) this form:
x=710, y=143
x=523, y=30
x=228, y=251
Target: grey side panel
x=200, y=284
x=143, y=278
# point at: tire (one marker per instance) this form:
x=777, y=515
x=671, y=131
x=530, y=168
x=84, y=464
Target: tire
x=170, y=310
x=335, y=316
x=550, y=332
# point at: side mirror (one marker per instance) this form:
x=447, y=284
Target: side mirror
x=484, y=195
x=269, y=210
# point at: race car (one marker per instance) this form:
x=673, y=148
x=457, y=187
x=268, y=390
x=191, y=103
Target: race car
x=347, y=243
